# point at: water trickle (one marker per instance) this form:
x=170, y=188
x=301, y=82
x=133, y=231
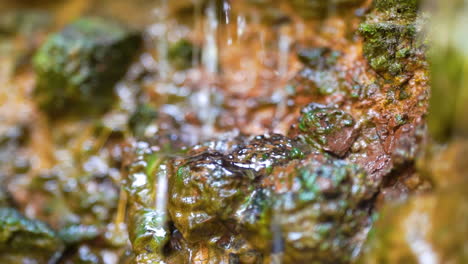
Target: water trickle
x=277, y=240
x=241, y=26
x=279, y=95
x=210, y=46
x=198, y=27
x=284, y=41
x=161, y=192
x=227, y=20
x=210, y=62
x=159, y=31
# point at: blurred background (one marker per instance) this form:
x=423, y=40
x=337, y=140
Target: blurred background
x=209, y=59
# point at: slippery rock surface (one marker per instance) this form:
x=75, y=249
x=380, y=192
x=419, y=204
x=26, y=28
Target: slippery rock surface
x=262, y=194
x=209, y=188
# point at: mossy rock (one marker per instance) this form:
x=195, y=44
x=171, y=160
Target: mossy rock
x=23, y=239
x=78, y=67
x=328, y=127
x=393, y=37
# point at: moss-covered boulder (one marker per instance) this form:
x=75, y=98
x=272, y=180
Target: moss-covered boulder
x=78, y=67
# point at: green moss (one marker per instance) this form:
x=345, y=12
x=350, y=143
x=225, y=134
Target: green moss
x=398, y=9
x=401, y=119
x=78, y=67
x=449, y=88
x=392, y=34
x=22, y=238
x=255, y=216
x=320, y=218
x=296, y=153
x=318, y=121
x=387, y=45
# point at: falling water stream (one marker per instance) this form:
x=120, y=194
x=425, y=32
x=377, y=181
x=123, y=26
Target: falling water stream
x=160, y=29
x=210, y=65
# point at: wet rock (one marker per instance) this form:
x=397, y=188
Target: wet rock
x=262, y=153
x=209, y=196
x=333, y=129
x=22, y=239
x=210, y=186
x=318, y=219
x=323, y=216
x=319, y=76
x=148, y=225
x=78, y=67
x=75, y=234
x=206, y=190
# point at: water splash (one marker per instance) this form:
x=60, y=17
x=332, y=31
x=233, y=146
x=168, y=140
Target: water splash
x=277, y=240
